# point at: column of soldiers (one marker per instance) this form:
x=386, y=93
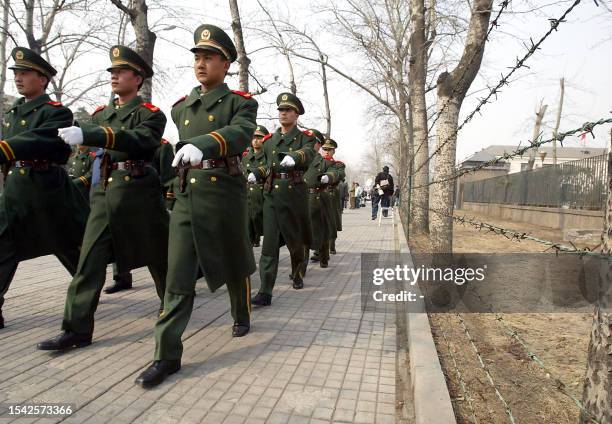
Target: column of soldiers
x=116, y=199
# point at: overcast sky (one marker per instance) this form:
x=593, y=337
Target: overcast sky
x=580, y=51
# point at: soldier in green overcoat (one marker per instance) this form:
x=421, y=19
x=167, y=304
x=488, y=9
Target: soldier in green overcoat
x=288, y=154
x=41, y=210
x=320, y=175
x=208, y=231
x=251, y=159
x=80, y=169
x=329, y=152
x=128, y=223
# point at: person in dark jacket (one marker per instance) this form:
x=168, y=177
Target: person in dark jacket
x=382, y=192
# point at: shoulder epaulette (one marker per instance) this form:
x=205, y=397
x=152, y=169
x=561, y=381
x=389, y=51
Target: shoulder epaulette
x=179, y=100
x=164, y=141
x=150, y=106
x=52, y=103
x=308, y=132
x=99, y=108
x=266, y=137
x=340, y=162
x=245, y=153
x=243, y=94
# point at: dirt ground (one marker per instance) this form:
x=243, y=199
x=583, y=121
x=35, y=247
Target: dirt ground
x=560, y=341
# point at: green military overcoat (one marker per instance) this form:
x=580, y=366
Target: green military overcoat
x=213, y=206
x=322, y=213
x=336, y=196
x=286, y=200
x=43, y=207
x=131, y=206
x=250, y=162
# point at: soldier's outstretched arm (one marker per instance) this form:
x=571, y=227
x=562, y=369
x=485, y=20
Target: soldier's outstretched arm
x=146, y=136
x=307, y=153
x=232, y=139
x=340, y=168
x=39, y=141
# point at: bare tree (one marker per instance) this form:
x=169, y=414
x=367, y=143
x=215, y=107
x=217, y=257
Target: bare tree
x=536, y=132
x=282, y=46
x=417, y=76
x=452, y=88
x=558, y=121
x=4, y=36
x=40, y=24
x=137, y=11
x=243, y=60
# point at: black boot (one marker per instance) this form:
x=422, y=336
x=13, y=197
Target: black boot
x=323, y=264
x=65, y=340
x=120, y=282
x=298, y=283
x=157, y=372
x=315, y=257
x=240, y=329
x=261, y=299
x=332, y=247
x=1, y=320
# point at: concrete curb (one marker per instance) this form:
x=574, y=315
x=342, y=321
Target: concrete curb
x=432, y=403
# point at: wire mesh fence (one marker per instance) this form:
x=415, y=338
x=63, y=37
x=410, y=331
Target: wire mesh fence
x=579, y=184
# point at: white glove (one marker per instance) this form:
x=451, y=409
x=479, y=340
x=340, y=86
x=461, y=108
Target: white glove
x=324, y=179
x=251, y=178
x=188, y=154
x=71, y=135
x=287, y=162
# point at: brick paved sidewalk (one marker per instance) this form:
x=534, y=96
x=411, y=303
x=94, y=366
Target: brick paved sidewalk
x=313, y=357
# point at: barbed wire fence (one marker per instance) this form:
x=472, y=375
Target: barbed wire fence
x=516, y=235
x=493, y=91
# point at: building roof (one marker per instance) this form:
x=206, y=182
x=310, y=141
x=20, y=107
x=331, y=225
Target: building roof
x=497, y=150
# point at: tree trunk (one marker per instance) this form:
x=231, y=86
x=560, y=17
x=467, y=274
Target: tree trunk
x=243, y=60
x=441, y=226
x=452, y=88
x=3, y=57
x=536, y=133
x=326, y=98
x=416, y=78
x=558, y=122
x=597, y=389
x=145, y=42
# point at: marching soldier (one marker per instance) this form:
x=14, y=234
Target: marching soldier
x=288, y=154
x=41, y=210
x=329, y=150
x=321, y=173
x=252, y=159
x=80, y=169
x=128, y=223
x=208, y=222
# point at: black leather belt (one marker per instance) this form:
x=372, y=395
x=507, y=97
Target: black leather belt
x=36, y=164
x=287, y=175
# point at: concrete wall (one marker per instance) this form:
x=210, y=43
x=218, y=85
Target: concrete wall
x=557, y=218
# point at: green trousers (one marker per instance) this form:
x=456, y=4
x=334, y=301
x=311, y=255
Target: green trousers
x=268, y=267
x=117, y=276
x=324, y=252
x=8, y=263
x=85, y=288
x=183, y=270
